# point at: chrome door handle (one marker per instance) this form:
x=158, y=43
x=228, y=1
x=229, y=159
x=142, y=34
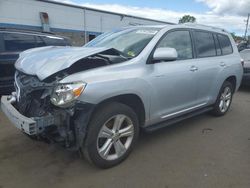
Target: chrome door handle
x=222, y=64
x=193, y=68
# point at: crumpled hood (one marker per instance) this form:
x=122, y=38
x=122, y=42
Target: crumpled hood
x=46, y=61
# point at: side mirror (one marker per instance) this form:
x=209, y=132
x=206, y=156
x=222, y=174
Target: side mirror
x=165, y=54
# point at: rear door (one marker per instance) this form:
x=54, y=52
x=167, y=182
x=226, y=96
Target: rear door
x=210, y=62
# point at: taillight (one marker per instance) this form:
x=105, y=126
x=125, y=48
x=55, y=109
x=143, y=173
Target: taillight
x=242, y=62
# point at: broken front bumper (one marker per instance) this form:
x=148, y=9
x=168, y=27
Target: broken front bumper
x=31, y=126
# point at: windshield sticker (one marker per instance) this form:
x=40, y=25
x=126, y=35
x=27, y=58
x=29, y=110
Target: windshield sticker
x=147, y=32
x=131, y=53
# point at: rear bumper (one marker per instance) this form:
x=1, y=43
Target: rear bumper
x=31, y=126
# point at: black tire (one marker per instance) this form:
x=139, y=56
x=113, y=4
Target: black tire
x=102, y=115
x=217, y=111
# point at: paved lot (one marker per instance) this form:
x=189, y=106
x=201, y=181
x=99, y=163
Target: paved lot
x=200, y=152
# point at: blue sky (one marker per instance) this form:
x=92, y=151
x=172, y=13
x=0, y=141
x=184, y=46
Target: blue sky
x=175, y=5
x=227, y=14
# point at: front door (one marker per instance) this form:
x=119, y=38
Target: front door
x=173, y=82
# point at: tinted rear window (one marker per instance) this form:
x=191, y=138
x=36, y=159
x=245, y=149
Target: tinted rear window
x=205, y=45
x=15, y=42
x=54, y=41
x=225, y=44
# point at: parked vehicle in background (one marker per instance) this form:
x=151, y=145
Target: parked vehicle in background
x=245, y=55
x=243, y=45
x=95, y=99
x=12, y=42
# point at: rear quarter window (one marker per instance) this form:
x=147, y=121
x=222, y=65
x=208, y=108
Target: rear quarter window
x=225, y=44
x=205, y=46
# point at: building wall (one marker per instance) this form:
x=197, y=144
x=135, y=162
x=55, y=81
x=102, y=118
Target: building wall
x=73, y=22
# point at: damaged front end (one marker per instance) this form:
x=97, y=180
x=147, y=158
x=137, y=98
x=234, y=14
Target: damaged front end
x=31, y=110
x=43, y=107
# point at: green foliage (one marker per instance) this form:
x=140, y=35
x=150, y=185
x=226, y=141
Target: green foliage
x=187, y=19
x=237, y=38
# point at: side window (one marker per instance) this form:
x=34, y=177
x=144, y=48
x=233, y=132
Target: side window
x=181, y=41
x=217, y=45
x=91, y=37
x=204, y=42
x=53, y=41
x=1, y=43
x=225, y=44
x=39, y=42
x=15, y=42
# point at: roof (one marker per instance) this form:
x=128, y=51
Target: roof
x=187, y=25
x=103, y=11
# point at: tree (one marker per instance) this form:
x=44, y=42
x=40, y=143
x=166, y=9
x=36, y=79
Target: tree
x=187, y=19
x=237, y=38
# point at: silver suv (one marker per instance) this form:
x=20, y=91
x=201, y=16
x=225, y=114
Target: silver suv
x=96, y=98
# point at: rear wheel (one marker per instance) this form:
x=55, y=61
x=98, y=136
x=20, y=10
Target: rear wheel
x=111, y=136
x=224, y=99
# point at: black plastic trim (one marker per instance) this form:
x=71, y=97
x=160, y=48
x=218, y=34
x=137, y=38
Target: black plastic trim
x=83, y=113
x=166, y=123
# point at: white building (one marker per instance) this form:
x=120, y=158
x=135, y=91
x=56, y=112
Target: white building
x=79, y=23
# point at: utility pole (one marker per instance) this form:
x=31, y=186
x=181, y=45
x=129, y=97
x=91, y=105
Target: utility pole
x=245, y=36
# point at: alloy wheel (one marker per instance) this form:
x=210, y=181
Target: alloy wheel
x=225, y=99
x=115, y=137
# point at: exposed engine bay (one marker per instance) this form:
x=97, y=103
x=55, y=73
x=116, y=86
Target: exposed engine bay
x=33, y=99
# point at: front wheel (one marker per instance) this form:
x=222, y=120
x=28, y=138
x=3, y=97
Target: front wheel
x=112, y=134
x=224, y=99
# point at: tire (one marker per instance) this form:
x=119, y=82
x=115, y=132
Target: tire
x=224, y=99
x=112, y=134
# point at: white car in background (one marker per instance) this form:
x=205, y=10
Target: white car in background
x=245, y=55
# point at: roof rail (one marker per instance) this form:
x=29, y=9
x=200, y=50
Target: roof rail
x=204, y=26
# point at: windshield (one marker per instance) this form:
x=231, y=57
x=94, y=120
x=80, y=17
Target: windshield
x=129, y=42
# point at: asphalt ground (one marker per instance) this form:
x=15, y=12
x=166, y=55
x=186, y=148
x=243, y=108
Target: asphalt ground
x=201, y=152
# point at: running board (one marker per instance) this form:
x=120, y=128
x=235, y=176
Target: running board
x=166, y=123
